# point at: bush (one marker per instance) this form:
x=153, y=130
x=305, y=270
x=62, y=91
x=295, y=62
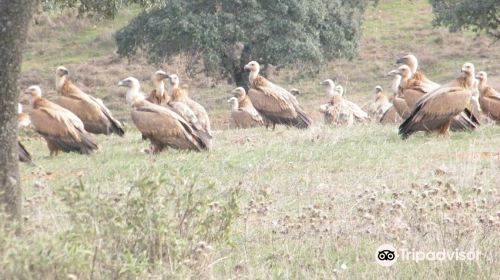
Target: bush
x=160, y=227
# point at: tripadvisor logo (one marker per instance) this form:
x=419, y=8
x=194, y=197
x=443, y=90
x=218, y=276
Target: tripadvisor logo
x=386, y=255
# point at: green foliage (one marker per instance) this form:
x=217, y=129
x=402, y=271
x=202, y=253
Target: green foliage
x=219, y=32
x=108, y=8
x=480, y=15
x=159, y=226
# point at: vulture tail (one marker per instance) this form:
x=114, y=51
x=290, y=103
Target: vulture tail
x=87, y=145
x=24, y=155
x=116, y=127
x=406, y=128
x=465, y=121
x=302, y=121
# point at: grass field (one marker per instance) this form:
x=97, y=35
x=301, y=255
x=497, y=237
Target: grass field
x=292, y=204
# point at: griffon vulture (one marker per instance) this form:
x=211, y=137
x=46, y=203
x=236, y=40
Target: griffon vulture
x=381, y=104
x=242, y=110
x=162, y=126
x=336, y=111
x=23, y=120
x=275, y=104
x=62, y=129
x=158, y=95
x=397, y=101
x=414, y=85
x=358, y=113
x=95, y=116
x=489, y=98
x=436, y=110
x=180, y=95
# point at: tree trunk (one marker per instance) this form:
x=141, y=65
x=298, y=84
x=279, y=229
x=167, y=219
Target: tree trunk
x=15, y=16
x=240, y=76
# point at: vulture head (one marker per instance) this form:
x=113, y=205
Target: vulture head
x=61, y=71
x=133, y=89
x=482, y=76
x=404, y=71
x=339, y=90
x=159, y=76
x=19, y=108
x=33, y=92
x=378, y=89
x=393, y=73
x=409, y=60
x=174, y=80
x=253, y=66
x=468, y=68
x=238, y=92
x=61, y=74
x=330, y=87
x=294, y=91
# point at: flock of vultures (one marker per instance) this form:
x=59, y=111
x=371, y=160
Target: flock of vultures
x=171, y=119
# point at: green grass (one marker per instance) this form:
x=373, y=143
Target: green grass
x=334, y=170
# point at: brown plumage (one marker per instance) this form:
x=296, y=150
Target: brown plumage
x=243, y=112
x=435, y=111
x=489, y=98
x=337, y=111
x=162, y=126
x=414, y=85
x=158, y=95
x=390, y=116
x=94, y=114
x=275, y=104
x=180, y=95
x=62, y=129
x=380, y=105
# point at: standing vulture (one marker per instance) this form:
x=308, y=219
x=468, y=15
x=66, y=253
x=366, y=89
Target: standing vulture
x=242, y=110
x=381, y=104
x=95, y=116
x=158, y=95
x=336, y=111
x=398, y=101
x=23, y=120
x=62, y=129
x=181, y=96
x=489, y=98
x=275, y=104
x=414, y=85
x=162, y=126
x=358, y=113
x=435, y=111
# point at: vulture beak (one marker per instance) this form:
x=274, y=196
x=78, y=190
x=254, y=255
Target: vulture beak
x=165, y=76
x=247, y=67
x=392, y=73
x=401, y=60
x=65, y=72
x=121, y=84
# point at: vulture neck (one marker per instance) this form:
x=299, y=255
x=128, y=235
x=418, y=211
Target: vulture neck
x=395, y=84
x=330, y=90
x=253, y=75
x=482, y=85
x=60, y=81
x=234, y=105
x=134, y=95
x=160, y=89
x=413, y=64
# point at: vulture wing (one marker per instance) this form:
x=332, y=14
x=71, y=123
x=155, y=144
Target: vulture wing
x=165, y=127
x=62, y=128
x=435, y=109
x=278, y=105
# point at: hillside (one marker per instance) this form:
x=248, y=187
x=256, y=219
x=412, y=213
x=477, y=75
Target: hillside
x=262, y=204
x=392, y=28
